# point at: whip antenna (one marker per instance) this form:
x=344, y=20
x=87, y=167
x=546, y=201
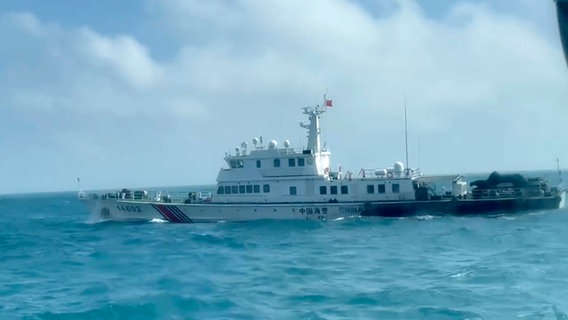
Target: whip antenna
x=405, y=132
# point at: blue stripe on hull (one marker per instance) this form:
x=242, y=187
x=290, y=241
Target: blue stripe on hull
x=172, y=213
x=165, y=213
x=180, y=213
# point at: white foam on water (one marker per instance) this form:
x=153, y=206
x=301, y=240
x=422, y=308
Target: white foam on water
x=426, y=217
x=462, y=274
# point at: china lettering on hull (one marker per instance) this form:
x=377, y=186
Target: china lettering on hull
x=350, y=210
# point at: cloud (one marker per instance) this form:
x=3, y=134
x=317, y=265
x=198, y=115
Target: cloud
x=480, y=82
x=338, y=43
x=121, y=54
x=82, y=71
x=26, y=21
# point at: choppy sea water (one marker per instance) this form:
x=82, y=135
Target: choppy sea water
x=55, y=264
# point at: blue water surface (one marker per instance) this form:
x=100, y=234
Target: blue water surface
x=56, y=264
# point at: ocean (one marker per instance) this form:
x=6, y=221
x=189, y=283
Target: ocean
x=56, y=264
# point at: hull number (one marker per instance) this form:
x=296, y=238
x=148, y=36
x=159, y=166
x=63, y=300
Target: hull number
x=124, y=208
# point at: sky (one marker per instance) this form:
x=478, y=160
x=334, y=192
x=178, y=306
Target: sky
x=153, y=93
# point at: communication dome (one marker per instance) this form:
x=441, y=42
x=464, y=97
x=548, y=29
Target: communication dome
x=286, y=143
x=255, y=141
x=398, y=167
x=272, y=144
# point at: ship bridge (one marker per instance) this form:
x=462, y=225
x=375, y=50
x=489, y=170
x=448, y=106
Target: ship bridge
x=273, y=161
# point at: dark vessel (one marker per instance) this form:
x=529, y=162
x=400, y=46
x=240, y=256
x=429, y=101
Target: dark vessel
x=499, y=193
x=562, y=13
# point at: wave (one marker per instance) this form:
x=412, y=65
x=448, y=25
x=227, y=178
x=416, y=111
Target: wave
x=159, y=306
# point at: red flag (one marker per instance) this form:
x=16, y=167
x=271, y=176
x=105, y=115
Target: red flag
x=328, y=103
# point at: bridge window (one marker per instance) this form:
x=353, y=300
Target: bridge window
x=266, y=188
x=235, y=189
x=221, y=190
x=256, y=188
x=291, y=162
x=241, y=189
x=236, y=164
x=227, y=189
x=344, y=190
x=301, y=162
x=370, y=188
x=293, y=191
x=276, y=163
x=249, y=188
x=395, y=188
x=258, y=163
x=323, y=190
x=333, y=190
x=381, y=188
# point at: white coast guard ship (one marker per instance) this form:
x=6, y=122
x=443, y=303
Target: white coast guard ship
x=267, y=183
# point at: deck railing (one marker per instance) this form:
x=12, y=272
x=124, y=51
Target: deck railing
x=501, y=193
x=389, y=173
x=154, y=196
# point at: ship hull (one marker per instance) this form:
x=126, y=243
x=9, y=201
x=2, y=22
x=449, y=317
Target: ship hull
x=463, y=207
x=131, y=210
x=125, y=210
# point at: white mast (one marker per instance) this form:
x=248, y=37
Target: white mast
x=313, y=127
x=81, y=194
